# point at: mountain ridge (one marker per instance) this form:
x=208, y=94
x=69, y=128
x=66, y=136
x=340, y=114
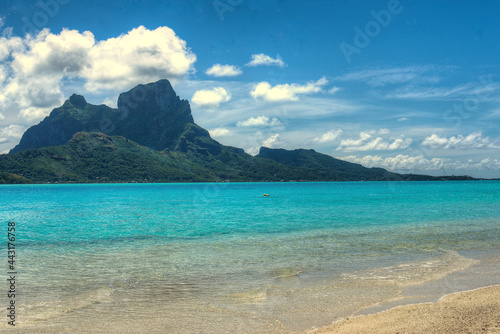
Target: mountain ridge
x=152, y=137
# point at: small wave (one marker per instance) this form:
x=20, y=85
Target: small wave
x=254, y=295
x=46, y=310
x=415, y=273
x=286, y=272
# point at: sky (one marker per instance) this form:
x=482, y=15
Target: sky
x=410, y=86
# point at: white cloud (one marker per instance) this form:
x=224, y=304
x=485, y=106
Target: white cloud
x=366, y=143
x=11, y=133
x=403, y=119
x=412, y=92
x=328, y=137
x=286, y=92
x=38, y=65
x=269, y=142
x=415, y=163
x=220, y=132
x=9, y=45
x=263, y=59
x=474, y=140
x=210, y=98
x=32, y=99
x=13, y=130
x=3, y=74
x=385, y=76
x=35, y=67
x=139, y=56
x=49, y=54
x=487, y=163
x=334, y=89
x=112, y=103
x=257, y=141
x=219, y=70
x=399, y=162
x=260, y=121
x=7, y=32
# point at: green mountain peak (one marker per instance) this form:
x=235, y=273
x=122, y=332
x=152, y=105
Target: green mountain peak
x=152, y=137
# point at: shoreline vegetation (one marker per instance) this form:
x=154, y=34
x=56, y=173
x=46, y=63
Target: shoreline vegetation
x=156, y=140
x=471, y=311
x=99, y=158
x=12, y=179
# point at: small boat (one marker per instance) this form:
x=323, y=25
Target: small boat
x=266, y=195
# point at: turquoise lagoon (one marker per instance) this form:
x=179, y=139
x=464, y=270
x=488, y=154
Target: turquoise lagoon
x=222, y=258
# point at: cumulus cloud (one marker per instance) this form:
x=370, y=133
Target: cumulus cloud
x=11, y=133
x=409, y=163
x=112, y=103
x=269, y=142
x=487, y=163
x=3, y=74
x=399, y=162
x=471, y=141
x=367, y=142
x=260, y=121
x=219, y=70
x=9, y=45
x=141, y=55
x=35, y=66
x=258, y=139
x=286, y=92
x=220, y=132
x=210, y=98
x=49, y=54
x=32, y=99
x=265, y=60
x=328, y=137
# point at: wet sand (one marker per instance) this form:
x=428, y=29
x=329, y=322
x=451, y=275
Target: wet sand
x=476, y=311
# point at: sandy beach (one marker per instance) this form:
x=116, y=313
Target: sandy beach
x=476, y=311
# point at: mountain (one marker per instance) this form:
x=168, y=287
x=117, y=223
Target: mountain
x=152, y=137
x=151, y=115
x=317, y=165
x=59, y=127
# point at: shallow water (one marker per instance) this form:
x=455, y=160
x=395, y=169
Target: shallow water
x=222, y=258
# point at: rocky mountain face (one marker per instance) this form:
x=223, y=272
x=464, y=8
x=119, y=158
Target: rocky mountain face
x=152, y=137
x=152, y=115
x=57, y=128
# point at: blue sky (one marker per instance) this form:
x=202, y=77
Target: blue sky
x=411, y=86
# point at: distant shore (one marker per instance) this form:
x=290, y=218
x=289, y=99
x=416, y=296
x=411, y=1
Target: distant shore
x=475, y=311
x=16, y=179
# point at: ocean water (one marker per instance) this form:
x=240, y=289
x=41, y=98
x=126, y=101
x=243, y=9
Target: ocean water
x=223, y=258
